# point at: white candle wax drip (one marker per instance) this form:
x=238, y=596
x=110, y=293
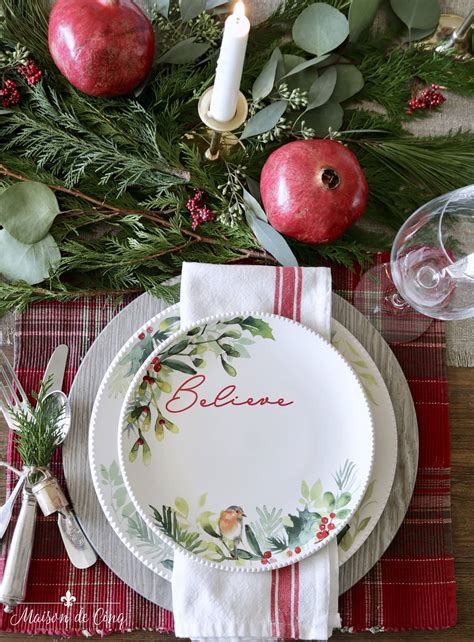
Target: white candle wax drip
x=225, y=93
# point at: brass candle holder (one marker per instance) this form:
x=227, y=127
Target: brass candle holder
x=453, y=32
x=218, y=129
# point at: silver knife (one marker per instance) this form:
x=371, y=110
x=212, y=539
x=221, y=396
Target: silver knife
x=57, y=367
x=15, y=573
x=79, y=550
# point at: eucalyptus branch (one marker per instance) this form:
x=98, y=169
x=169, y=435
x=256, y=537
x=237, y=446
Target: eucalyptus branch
x=151, y=215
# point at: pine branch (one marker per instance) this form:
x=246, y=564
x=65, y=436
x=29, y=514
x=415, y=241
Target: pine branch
x=391, y=76
x=52, y=134
x=39, y=428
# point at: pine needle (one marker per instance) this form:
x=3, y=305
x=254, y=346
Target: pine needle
x=40, y=429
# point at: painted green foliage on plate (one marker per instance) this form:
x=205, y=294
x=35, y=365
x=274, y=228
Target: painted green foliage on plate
x=360, y=520
x=146, y=342
x=271, y=535
x=136, y=528
x=360, y=365
x=226, y=341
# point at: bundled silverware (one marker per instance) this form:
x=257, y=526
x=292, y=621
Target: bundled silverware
x=36, y=484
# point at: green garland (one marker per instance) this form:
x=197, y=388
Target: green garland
x=123, y=169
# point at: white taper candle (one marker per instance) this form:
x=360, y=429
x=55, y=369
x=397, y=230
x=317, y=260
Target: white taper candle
x=230, y=66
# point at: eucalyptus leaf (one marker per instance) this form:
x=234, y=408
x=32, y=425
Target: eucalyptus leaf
x=320, y=28
x=322, y=88
x=361, y=17
x=417, y=34
x=270, y=239
x=417, y=14
x=185, y=51
x=253, y=205
x=30, y=263
x=191, y=8
x=349, y=82
x=304, y=65
x=162, y=7
x=322, y=118
x=254, y=189
x=290, y=61
x=27, y=211
x=265, y=119
x=265, y=81
x=296, y=81
x=212, y=4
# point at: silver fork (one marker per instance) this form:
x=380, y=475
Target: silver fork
x=15, y=574
x=10, y=399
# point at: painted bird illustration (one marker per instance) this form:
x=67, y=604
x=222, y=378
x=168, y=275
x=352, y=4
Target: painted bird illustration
x=230, y=528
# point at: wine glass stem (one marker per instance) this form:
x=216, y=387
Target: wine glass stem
x=398, y=301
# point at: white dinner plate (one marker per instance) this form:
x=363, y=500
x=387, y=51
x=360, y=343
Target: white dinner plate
x=246, y=441
x=103, y=453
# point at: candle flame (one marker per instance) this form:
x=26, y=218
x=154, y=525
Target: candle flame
x=239, y=10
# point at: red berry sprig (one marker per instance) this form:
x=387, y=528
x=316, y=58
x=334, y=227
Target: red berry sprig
x=428, y=99
x=30, y=72
x=267, y=556
x=325, y=525
x=9, y=93
x=200, y=213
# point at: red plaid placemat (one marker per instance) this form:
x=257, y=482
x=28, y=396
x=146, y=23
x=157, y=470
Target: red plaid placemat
x=411, y=587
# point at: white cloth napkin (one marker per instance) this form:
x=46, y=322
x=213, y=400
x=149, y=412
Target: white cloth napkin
x=299, y=601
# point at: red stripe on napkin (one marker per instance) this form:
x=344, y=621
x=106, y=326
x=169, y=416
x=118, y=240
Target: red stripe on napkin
x=285, y=581
x=285, y=602
x=273, y=604
x=295, y=594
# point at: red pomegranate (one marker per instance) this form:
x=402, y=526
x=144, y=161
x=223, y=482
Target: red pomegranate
x=313, y=190
x=103, y=47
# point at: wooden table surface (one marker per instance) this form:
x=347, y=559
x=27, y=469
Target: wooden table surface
x=461, y=395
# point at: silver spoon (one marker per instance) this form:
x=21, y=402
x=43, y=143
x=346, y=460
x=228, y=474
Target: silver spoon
x=78, y=548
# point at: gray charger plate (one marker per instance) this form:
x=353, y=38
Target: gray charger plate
x=81, y=489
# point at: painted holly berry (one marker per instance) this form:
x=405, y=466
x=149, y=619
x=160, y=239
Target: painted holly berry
x=267, y=555
x=331, y=527
x=149, y=329
x=324, y=520
x=297, y=550
x=141, y=336
x=264, y=561
x=289, y=553
x=322, y=527
x=332, y=515
x=140, y=441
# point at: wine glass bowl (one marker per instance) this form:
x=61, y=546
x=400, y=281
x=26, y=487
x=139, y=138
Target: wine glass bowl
x=431, y=270
x=430, y=263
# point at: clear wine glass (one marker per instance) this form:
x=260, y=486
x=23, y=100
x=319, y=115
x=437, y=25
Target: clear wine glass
x=431, y=270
